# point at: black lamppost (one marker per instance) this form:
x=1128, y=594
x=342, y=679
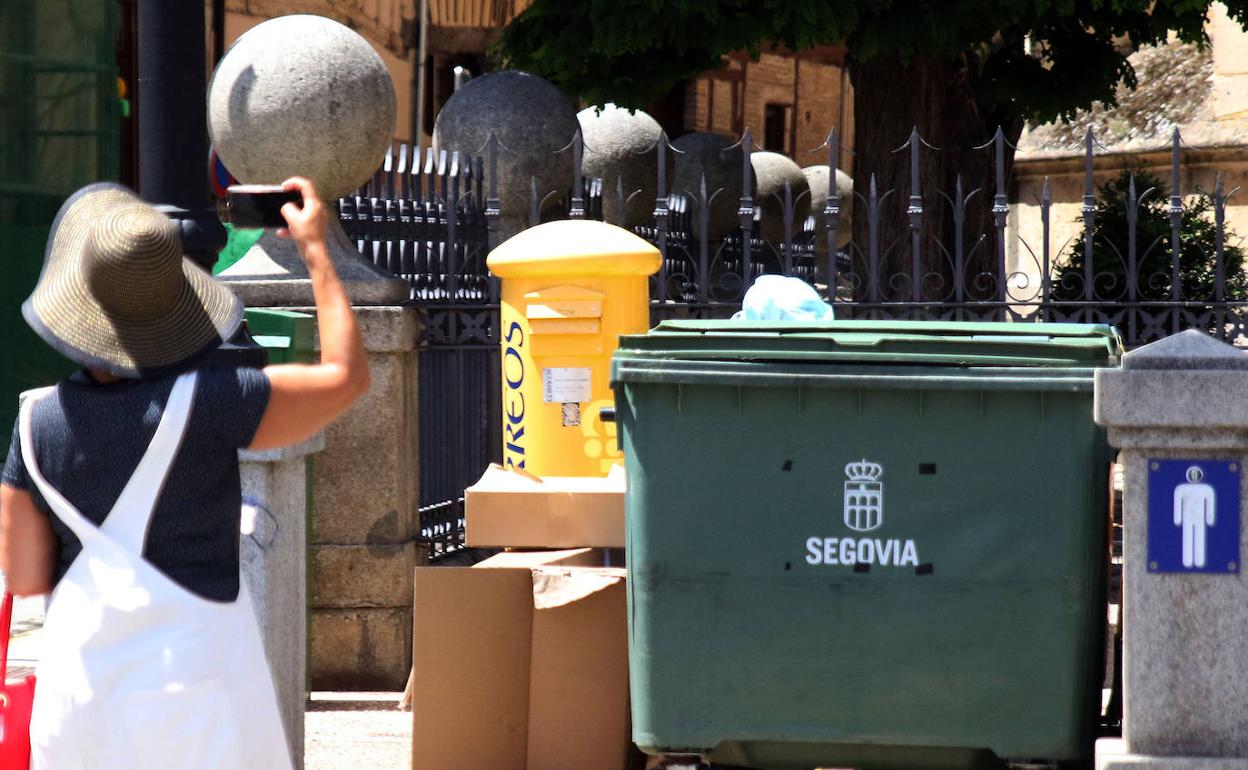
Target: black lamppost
x=173, y=139
x=173, y=125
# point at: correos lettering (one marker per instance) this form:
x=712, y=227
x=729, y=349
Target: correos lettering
x=513, y=397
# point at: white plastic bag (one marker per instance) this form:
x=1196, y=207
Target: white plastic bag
x=780, y=298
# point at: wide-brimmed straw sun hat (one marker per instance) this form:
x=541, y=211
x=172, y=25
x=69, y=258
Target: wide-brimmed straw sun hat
x=116, y=292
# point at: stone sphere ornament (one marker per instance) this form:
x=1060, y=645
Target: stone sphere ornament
x=817, y=178
x=302, y=95
x=533, y=121
x=771, y=171
x=714, y=156
x=623, y=145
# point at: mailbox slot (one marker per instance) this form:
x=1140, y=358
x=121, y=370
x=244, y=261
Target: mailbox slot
x=565, y=326
x=565, y=320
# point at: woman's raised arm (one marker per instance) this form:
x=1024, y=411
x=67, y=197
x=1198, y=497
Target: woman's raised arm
x=305, y=398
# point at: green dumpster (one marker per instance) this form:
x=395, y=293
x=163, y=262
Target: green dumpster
x=865, y=544
x=288, y=337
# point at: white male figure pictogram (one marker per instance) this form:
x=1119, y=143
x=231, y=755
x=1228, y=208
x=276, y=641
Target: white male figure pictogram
x=1194, y=511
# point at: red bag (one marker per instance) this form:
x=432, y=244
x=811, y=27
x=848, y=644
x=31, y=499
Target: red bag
x=16, y=698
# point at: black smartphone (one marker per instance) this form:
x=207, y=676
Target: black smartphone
x=255, y=206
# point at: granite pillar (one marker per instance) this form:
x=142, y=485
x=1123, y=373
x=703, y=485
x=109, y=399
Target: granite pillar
x=366, y=519
x=1185, y=647
x=273, y=554
x=365, y=489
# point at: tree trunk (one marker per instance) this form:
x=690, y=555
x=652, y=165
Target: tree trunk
x=938, y=98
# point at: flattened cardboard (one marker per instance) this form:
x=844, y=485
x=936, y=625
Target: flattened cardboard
x=514, y=509
x=578, y=685
x=522, y=663
x=471, y=657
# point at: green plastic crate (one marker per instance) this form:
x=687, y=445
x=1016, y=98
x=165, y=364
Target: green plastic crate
x=865, y=544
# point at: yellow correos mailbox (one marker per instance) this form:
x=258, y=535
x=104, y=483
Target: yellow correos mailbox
x=570, y=289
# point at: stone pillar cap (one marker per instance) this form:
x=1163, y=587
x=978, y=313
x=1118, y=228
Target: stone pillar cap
x=1187, y=350
x=1185, y=391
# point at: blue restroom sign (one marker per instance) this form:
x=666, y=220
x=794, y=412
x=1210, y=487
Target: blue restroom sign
x=1193, y=516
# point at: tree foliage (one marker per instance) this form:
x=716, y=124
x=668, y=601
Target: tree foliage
x=1038, y=59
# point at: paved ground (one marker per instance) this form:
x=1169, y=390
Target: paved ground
x=357, y=729
x=343, y=729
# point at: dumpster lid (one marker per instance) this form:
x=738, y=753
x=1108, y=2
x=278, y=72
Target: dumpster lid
x=962, y=344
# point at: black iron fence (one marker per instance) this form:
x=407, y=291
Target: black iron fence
x=1150, y=261
x=424, y=217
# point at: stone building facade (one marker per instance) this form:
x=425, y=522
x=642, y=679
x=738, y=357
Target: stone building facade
x=789, y=102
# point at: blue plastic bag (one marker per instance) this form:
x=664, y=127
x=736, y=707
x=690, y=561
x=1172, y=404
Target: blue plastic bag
x=780, y=298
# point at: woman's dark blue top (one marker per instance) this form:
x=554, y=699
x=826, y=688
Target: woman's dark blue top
x=89, y=438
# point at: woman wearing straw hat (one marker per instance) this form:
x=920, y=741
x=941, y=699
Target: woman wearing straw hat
x=121, y=493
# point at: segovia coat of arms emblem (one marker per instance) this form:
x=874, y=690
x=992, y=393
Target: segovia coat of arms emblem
x=864, y=496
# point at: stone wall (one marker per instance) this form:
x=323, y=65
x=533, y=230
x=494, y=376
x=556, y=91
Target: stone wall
x=1230, y=68
x=710, y=100
x=822, y=101
x=385, y=23
x=1066, y=182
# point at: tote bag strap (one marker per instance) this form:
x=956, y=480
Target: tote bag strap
x=84, y=529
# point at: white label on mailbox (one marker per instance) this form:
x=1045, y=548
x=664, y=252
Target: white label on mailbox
x=562, y=385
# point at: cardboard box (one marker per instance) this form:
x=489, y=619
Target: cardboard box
x=521, y=663
x=571, y=557
x=510, y=508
